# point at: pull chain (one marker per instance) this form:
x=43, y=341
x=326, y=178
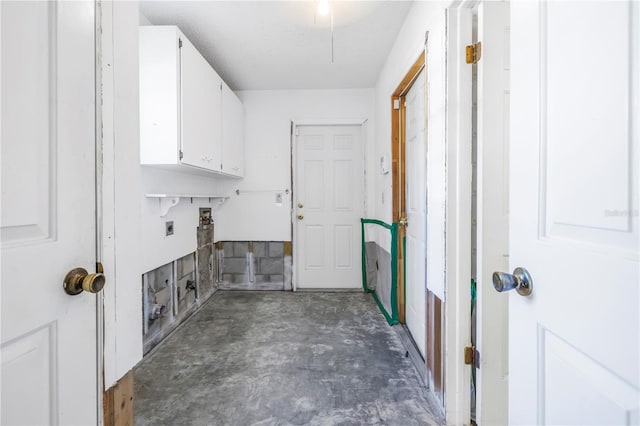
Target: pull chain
x=332, y=35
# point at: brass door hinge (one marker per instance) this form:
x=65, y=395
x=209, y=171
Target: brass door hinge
x=471, y=356
x=474, y=53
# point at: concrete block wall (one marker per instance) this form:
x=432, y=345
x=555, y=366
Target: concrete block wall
x=173, y=292
x=378, y=264
x=254, y=265
x=168, y=299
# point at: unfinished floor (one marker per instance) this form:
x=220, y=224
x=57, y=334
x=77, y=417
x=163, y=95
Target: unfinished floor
x=281, y=358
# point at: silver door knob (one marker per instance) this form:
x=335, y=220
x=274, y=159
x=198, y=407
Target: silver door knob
x=520, y=280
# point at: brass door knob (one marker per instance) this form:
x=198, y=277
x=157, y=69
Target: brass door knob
x=403, y=222
x=300, y=217
x=79, y=280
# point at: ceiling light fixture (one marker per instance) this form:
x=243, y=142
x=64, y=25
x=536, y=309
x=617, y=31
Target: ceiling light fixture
x=323, y=7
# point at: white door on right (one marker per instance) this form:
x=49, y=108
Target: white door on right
x=575, y=341
x=416, y=205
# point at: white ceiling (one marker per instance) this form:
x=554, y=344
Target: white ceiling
x=257, y=45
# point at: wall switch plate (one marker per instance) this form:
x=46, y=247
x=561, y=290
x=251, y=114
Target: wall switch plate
x=168, y=228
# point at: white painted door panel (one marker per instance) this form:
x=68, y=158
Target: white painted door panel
x=48, y=349
x=329, y=197
x=416, y=204
x=575, y=343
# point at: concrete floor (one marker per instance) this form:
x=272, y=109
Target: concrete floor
x=281, y=358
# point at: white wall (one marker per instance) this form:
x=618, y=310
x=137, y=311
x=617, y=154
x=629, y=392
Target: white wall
x=121, y=186
x=268, y=117
x=157, y=248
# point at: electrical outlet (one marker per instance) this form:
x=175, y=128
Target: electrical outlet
x=168, y=228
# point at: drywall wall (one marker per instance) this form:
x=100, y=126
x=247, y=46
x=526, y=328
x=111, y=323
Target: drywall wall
x=422, y=18
x=120, y=190
x=254, y=215
x=158, y=248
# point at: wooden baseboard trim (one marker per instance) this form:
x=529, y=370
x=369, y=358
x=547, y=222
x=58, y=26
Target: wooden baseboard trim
x=118, y=402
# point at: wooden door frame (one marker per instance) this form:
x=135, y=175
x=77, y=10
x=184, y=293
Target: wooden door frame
x=398, y=168
x=434, y=307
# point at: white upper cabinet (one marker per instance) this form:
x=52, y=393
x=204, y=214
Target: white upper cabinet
x=183, y=117
x=232, y=133
x=201, y=109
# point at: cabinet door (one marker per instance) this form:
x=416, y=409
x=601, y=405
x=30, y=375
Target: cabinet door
x=232, y=133
x=159, y=95
x=200, y=111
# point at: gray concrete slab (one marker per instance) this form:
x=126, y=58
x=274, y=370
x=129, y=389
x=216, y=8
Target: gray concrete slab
x=281, y=358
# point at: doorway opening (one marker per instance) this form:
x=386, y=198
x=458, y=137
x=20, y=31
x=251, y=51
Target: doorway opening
x=419, y=310
x=328, y=203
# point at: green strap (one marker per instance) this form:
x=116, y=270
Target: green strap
x=393, y=317
x=364, y=260
x=394, y=274
x=379, y=222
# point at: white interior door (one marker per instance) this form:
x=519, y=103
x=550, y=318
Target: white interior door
x=575, y=342
x=48, y=349
x=328, y=205
x=416, y=205
x=492, y=211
